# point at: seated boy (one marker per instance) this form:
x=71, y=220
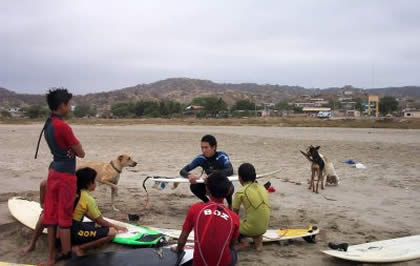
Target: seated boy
x=254, y=198
x=216, y=228
x=84, y=235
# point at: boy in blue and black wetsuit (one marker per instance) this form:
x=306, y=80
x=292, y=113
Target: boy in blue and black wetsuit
x=210, y=160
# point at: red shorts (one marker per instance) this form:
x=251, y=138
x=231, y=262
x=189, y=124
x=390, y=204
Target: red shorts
x=59, y=199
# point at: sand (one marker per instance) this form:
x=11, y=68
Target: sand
x=376, y=203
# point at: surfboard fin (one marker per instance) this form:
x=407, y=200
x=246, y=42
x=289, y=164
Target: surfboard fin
x=339, y=247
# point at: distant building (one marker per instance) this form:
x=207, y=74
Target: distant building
x=193, y=109
x=373, y=105
x=304, y=104
x=352, y=113
x=15, y=112
x=412, y=114
x=313, y=111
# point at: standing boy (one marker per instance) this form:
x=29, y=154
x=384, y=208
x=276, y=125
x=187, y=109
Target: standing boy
x=62, y=182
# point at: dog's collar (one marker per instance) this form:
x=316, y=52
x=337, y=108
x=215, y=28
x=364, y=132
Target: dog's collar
x=115, y=168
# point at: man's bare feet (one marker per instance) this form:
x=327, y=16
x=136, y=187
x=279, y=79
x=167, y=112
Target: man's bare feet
x=242, y=244
x=49, y=262
x=28, y=249
x=78, y=251
x=258, y=243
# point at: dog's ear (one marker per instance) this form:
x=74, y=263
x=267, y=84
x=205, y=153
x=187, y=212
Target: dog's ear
x=120, y=158
x=317, y=147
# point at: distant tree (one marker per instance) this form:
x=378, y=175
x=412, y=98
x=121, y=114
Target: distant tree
x=151, y=109
x=359, y=105
x=334, y=105
x=387, y=105
x=283, y=106
x=36, y=111
x=243, y=105
x=5, y=114
x=298, y=109
x=123, y=109
x=212, y=105
x=163, y=109
x=83, y=110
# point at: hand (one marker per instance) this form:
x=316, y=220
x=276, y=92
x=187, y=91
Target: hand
x=192, y=179
x=121, y=229
x=70, y=153
x=204, y=177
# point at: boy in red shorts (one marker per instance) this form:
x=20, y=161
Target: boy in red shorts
x=216, y=228
x=62, y=182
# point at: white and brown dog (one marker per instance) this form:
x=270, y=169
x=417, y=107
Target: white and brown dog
x=109, y=173
x=320, y=167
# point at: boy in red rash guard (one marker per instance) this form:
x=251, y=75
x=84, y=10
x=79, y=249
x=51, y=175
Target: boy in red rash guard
x=62, y=182
x=216, y=228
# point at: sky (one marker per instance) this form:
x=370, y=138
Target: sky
x=91, y=46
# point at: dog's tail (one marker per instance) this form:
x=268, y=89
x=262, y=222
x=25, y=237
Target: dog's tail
x=307, y=156
x=146, y=204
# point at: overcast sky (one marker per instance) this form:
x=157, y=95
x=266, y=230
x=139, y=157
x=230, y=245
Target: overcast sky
x=90, y=46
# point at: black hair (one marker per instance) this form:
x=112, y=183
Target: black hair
x=218, y=184
x=211, y=140
x=85, y=176
x=247, y=172
x=58, y=96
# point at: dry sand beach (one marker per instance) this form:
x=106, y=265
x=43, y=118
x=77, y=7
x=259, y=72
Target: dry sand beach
x=376, y=203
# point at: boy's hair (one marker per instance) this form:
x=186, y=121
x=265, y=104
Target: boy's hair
x=211, y=140
x=247, y=172
x=55, y=97
x=85, y=176
x=218, y=184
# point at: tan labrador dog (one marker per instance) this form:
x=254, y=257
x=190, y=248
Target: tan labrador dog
x=109, y=173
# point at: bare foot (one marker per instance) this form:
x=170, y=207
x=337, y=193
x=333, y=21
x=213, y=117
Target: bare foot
x=50, y=262
x=78, y=251
x=258, y=243
x=243, y=244
x=28, y=249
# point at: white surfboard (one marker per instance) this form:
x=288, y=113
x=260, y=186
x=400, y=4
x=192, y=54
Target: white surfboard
x=27, y=212
x=189, y=252
x=392, y=250
x=272, y=235
x=162, y=179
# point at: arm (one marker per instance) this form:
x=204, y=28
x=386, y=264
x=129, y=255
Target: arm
x=227, y=168
x=101, y=221
x=235, y=236
x=185, y=171
x=183, y=238
x=78, y=150
x=186, y=229
x=236, y=204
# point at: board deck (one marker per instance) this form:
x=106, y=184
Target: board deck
x=143, y=256
x=2, y=263
x=272, y=235
x=161, y=179
x=386, y=251
x=28, y=212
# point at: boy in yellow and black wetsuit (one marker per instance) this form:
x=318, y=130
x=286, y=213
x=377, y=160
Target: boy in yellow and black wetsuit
x=254, y=198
